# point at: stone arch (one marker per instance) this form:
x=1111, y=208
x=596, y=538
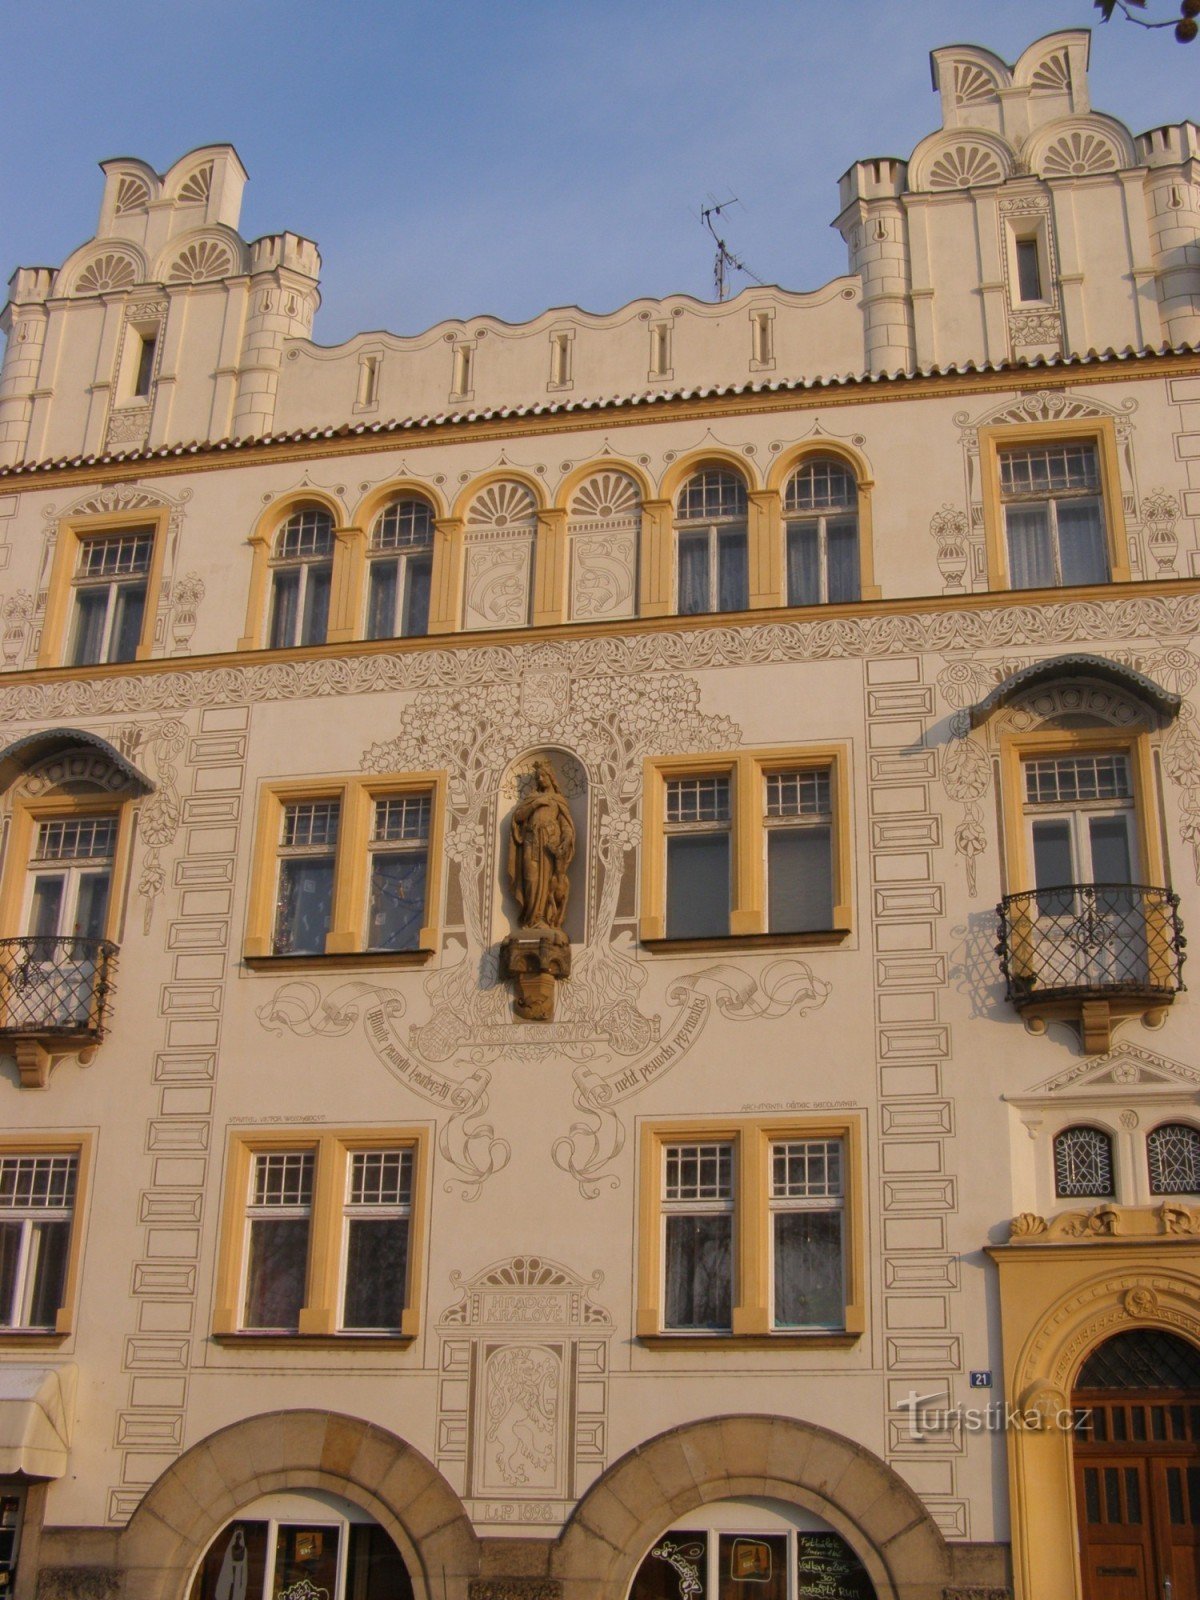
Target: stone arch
x=779, y=1458
x=201, y=1491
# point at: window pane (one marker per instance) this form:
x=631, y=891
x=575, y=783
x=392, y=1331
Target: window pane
x=316, y=605
x=699, y=1276
x=381, y=604
x=1083, y=1163
x=1173, y=1152
x=1081, y=546
x=285, y=603
x=87, y=633
x=1052, y=864
x=375, y=1569
x=693, y=574
x=46, y=907
x=10, y=1255
x=397, y=910
x=753, y=1566
x=305, y=905
x=799, y=879
x=275, y=1273
x=92, y=907
x=235, y=1564
x=841, y=549
x=47, y=1271
x=130, y=603
x=697, y=885
x=808, y=1269
x=418, y=577
x=733, y=572
x=1112, y=860
x=376, y=1272
x=306, y=1562
x=1030, y=557
x=1029, y=272
x=675, y=1569
x=803, y=564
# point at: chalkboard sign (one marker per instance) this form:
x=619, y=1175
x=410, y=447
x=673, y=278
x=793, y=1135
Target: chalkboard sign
x=827, y=1569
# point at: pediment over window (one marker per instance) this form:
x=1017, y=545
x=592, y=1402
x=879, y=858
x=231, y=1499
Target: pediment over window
x=1123, y=1072
x=86, y=761
x=1073, y=667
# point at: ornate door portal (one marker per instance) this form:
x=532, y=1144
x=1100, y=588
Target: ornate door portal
x=1137, y=1468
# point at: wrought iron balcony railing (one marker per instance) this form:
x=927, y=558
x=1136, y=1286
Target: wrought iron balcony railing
x=56, y=987
x=1092, y=941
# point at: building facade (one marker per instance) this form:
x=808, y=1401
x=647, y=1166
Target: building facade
x=516, y=1086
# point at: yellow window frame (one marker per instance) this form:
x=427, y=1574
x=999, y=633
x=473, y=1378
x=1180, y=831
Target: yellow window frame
x=748, y=770
x=356, y=797
x=1097, y=431
x=79, y=1145
x=73, y=534
x=751, y=1138
x=332, y=1149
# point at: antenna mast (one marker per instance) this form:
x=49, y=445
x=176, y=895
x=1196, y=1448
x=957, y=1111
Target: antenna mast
x=725, y=260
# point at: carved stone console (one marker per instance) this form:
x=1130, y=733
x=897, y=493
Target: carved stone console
x=535, y=959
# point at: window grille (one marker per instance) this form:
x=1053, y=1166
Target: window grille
x=404, y=525
x=820, y=486
x=803, y=793
x=1173, y=1154
x=77, y=839
x=381, y=1177
x=305, y=536
x=401, y=817
x=806, y=1169
x=37, y=1183
x=283, y=1178
x=699, y=1171
x=310, y=824
x=1083, y=1164
x=1064, y=780
x=1049, y=469
x=698, y=799
x=712, y=495
x=125, y=555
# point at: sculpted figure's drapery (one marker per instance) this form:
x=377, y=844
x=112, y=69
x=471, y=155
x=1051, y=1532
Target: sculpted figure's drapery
x=540, y=850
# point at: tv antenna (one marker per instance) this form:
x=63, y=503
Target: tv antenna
x=725, y=261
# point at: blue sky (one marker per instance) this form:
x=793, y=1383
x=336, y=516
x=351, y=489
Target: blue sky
x=459, y=157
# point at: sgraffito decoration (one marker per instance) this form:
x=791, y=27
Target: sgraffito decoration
x=608, y=725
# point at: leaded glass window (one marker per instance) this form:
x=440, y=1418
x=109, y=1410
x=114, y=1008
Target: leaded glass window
x=1083, y=1164
x=1173, y=1155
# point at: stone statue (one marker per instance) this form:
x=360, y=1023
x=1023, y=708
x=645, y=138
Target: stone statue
x=541, y=845
x=540, y=849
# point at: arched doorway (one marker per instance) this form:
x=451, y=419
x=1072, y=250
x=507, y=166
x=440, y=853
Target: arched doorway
x=301, y=1546
x=1137, y=1467
x=751, y=1549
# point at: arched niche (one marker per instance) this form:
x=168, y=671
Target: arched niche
x=516, y=783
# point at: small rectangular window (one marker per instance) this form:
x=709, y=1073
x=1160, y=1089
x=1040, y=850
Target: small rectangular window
x=799, y=830
x=110, y=597
x=145, y=367
x=699, y=856
x=278, y=1221
x=368, y=380
x=37, y=1204
x=304, y=902
x=698, y=1244
x=399, y=861
x=1029, y=269
x=377, y=1212
x=806, y=1233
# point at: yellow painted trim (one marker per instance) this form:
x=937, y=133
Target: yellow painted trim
x=446, y=579
x=811, y=449
x=1089, y=430
x=550, y=569
x=693, y=461
x=765, y=552
x=378, y=498
x=73, y=533
x=261, y=542
x=751, y=1138
x=656, y=560
x=26, y=814
x=347, y=585
x=748, y=874
x=81, y=1145
x=347, y=932
x=320, y=1313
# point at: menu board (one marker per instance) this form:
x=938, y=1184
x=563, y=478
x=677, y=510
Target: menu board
x=827, y=1569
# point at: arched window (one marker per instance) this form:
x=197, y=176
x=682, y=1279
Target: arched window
x=712, y=543
x=603, y=529
x=820, y=507
x=400, y=560
x=1173, y=1156
x=302, y=571
x=1083, y=1164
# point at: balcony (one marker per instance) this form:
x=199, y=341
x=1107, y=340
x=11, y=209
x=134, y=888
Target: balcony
x=55, y=998
x=1091, y=954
